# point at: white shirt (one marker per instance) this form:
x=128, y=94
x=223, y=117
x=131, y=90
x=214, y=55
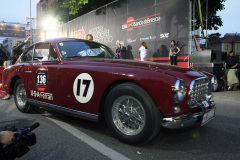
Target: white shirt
x=143, y=53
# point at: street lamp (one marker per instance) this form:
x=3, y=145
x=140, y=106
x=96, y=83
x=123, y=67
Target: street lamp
x=2, y=23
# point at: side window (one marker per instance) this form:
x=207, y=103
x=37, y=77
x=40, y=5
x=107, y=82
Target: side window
x=45, y=52
x=27, y=56
x=226, y=47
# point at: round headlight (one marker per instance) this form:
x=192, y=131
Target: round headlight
x=179, y=91
x=214, y=83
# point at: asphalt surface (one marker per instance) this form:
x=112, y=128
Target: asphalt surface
x=62, y=137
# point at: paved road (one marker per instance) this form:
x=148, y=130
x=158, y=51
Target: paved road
x=62, y=137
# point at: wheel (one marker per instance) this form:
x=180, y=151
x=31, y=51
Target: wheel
x=131, y=114
x=20, y=97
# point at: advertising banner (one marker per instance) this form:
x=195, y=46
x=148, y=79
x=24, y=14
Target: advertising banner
x=12, y=31
x=155, y=22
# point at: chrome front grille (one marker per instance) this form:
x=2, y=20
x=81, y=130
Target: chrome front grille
x=198, y=90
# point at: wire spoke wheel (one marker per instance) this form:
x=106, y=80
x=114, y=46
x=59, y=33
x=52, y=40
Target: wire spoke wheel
x=128, y=115
x=21, y=96
x=131, y=114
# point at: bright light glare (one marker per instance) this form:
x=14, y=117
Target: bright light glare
x=43, y=37
x=50, y=28
x=49, y=24
x=52, y=34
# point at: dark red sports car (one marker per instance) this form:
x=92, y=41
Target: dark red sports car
x=84, y=79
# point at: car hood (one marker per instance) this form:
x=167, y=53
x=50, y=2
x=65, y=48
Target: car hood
x=186, y=74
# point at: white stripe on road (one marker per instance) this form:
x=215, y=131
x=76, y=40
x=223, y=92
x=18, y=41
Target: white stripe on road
x=110, y=153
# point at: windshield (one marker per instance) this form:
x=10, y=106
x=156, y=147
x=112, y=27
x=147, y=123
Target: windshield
x=71, y=49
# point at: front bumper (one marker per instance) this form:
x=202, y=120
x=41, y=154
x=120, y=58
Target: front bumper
x=190, y=119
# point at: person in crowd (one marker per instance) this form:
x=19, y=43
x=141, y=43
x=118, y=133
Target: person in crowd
x=230, y=66
x=89, y=37
x=6, y=137
x=174, y=50
x=3, y=64
x=123, y=51
x=143, y=51
x=118, y=52
x=238, y=67
x=18, y=49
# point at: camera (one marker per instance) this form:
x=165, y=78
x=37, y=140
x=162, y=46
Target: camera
x=24, y=138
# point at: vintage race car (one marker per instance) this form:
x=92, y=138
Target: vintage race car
x=84, y=79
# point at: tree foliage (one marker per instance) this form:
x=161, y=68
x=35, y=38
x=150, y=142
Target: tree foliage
x=213, y=21
x=214, y=36
x=61, y=13
x=74, y=5
x=66, y=10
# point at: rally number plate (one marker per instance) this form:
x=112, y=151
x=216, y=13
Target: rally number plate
x=205, y=103
x=208, y=116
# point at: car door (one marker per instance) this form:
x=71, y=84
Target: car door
x=44, y=72
x=25, y=68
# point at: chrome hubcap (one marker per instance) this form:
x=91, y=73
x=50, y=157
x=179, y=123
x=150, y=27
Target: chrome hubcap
x=128, y=115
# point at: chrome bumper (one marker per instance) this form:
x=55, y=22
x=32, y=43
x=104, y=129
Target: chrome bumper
x=188, y=119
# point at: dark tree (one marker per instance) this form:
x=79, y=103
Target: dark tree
x=214, y=21
x=66, y=10
x=214, y=36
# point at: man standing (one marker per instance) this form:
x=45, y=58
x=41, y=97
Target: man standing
x=3, y=64
x=18, y=49
x=230, y=71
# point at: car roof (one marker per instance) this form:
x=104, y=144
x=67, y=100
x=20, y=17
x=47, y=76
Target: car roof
x=55, y=40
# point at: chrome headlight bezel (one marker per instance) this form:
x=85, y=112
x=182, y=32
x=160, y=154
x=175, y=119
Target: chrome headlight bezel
x=214, y=83
x=179, y=91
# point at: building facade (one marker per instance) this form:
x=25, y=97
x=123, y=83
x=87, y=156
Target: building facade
x=230, y=42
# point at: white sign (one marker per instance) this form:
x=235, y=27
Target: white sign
x=164, y=35
x=43, y=95
x=83, y=88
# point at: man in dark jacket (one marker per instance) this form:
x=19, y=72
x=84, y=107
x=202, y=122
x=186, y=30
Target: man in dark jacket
x=3, y=57
x=231, y=64
x=18, y=49
x=3, y=64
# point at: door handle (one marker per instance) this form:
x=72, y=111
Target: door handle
x=20, y=68
x=28, y=71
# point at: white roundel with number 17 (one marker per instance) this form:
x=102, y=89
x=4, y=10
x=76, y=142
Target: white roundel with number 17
x=83, y=88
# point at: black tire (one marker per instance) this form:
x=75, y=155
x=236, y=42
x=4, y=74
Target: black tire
x=20, y=97
x=131, y=114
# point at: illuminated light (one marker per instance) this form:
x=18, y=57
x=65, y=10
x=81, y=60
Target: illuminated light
x=49, y=24
x=51, y=34
x=43, y=36
x=49, y=27
x=16, y=24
